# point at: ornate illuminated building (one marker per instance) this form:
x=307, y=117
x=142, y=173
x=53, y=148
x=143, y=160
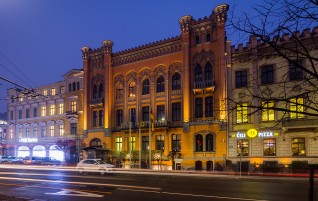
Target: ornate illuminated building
x=275, y=121
x=181, y=80
x=40, y=118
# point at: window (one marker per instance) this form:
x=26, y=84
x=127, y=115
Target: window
x=176, y=111
x=61, y=89
x=101, y=91
x=61, y=108
x=267, y=74
x=160, y=142
x=208, y=75
x=296, y=107
x=27, y=113
x=52, y=109
x=43, y=110
x=208, y=38
x=145, y=113
x=197, y=40
x=269, y=147
x=44, y=92
x=144, y=143
x=27, y=132
x=69, y=87
x=295, y=70
x=160, y=84
x=132, y=145
x=78, y=85
x=61, y=129
x=242, y=148
x=73, y=128
x=73, y=106
x=119, y=92
x=160, y=112
x=20, y=98
x=94, y=91
x=20, y=132
x=20, y=114
x=35, y=112
x=94, y=118
x=11, y=115
x=198, y=108
x=268, y=113
x=241, y=79
x=145, y=87
x=198, y=142
x=43, y=131
x=119, y=117
x=74, y=86
x=119, y=143
x=198, y=73
x=53, y=92
x=208, y=106
x=176, y=81
x=35, y=131
x=52, y=130
x=241, y=113
x=132, y=114
x=101, y=118
x=176, y=142
x=132, y=89
x=298, y=147
x=209, y=143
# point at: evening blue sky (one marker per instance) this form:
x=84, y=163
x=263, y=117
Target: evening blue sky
x=41, y=40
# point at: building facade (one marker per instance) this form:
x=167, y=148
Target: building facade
x=165, y=99
x=41, y=119
x=273, y=100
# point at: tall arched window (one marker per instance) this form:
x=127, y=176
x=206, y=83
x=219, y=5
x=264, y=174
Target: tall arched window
x=198, y=142
x=208, y=74
x=198, y=73
x=176, y=81
x=101, y=91
x=78, y=85
x=132, y=89
x=119, y=92
x=209, y=142
x=160, y=84
x=95, y=91
x=145, y=87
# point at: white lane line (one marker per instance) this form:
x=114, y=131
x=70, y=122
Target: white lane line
x=193, y=195
x=68, y=192
x=82, y=183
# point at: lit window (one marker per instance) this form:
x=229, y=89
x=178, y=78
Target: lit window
x=268, y=113
x=44, y=92
x=296, y=108
x=61, y=129
x=52, y=109
x=61, y=108
x=43, y=110
x=52, y=130
x=53, y=92
x=132, y=145
x=269, y=147
x=160, y=142
x=298, y=147
x=61, y=89
x=73, y=106
x=132, y=89
x=242, y=148
x=241, y=113
x=119, y=143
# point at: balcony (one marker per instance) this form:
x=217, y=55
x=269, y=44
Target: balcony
x=204, y=87
x=309, y=122
x=143, y=125
x=71, y=114
x=97, y=103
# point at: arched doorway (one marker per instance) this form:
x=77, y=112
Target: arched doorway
x=23, y=151
x=39, y=150
x=56, y=153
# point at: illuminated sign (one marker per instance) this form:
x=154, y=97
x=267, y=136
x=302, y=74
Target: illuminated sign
x=252, y=133
x=28, y=140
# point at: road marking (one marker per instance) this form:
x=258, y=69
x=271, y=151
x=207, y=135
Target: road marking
x=193, y=195
x=68, y=192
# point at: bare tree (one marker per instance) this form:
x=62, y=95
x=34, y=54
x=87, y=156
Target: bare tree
x=283, y=29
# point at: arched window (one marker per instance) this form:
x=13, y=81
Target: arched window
x=74, y=86
x=145, y=87
x=101, y=91
x=94, y=91
x=160, y=84
x=176, y=81
x=198, y=142
x=78, y=85
x=132, y=89
x=119, y=92
x=209, y=142
x=208, y=73
x=198, y=73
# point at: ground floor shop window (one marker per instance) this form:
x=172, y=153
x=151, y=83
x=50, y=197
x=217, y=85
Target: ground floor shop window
x=298, y=147
x=119, y=143
x=242, y=148
x=269, y=147
x=23, y=151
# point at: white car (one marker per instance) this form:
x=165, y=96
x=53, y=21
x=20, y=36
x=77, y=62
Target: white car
x=94, y=165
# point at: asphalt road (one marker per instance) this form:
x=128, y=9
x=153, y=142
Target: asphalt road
x=50, y=183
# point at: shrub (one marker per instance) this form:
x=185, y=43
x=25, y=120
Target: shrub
x=299, y=166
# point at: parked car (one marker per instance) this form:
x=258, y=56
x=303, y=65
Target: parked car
x=94, y=165
x=4, y=159
x=32, y=160
x=15, y=160
x=50, y=161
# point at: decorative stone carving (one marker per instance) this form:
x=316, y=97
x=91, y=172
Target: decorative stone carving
x=185, y=23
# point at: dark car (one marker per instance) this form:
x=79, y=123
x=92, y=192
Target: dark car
x=32, y=160
x=50, y=161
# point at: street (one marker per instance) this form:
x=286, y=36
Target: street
x=51, y=183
